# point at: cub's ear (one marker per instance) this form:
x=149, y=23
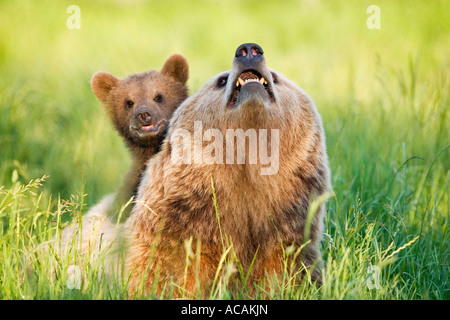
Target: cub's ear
x=176, y=66
x=102, y=83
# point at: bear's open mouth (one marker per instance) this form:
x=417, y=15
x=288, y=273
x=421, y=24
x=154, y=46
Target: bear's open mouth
x=150, y=128
x=247, y=77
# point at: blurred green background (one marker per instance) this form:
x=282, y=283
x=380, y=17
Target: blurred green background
x=383, y=95
x=51, y=123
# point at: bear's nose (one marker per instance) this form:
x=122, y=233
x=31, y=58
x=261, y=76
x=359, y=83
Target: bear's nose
x=144, y=115
x=249, y=51
x=249, y=55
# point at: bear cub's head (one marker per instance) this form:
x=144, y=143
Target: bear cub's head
x=140, y=105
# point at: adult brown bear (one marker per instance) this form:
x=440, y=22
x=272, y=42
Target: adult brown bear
x=260, y=203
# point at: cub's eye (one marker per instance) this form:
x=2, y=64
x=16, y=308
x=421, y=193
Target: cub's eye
x=158, y=98
x=274, y=77
x=129, y=103
x=221, y=82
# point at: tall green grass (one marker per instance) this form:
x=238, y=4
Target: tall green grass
x=383, y=96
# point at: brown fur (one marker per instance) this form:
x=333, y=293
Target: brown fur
x=143, y=90
x=97, y=231
x=257, y=213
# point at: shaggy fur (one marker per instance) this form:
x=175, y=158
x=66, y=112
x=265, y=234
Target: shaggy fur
x=155, y=93
x=260, y=215
x=170, y=85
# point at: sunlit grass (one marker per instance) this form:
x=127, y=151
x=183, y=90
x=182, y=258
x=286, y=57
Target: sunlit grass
x=383, y=95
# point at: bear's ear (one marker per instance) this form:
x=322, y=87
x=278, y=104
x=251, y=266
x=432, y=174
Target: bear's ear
x=102, y=83
x=176, y=66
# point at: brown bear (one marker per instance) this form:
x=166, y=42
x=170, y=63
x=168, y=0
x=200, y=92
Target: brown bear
x=209, y=194
x=140, y=106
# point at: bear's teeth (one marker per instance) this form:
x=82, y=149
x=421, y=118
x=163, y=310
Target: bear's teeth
x=241, y=82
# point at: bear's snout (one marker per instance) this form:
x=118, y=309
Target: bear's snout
x=143, y=116
x=249, y=56
x=145, y=124
x=251, y=81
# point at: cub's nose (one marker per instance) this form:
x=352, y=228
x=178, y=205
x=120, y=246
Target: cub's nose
x=249, y=56
x=143, y=115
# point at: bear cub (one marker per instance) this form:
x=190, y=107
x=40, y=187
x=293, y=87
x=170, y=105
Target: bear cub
x=139, y=107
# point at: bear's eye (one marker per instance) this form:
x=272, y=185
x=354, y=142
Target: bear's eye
x=274, y=77
x=129, y=103
x=221, y=82
x=158, y=98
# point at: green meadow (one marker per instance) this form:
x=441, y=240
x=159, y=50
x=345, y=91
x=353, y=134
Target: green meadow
x=383, y=94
